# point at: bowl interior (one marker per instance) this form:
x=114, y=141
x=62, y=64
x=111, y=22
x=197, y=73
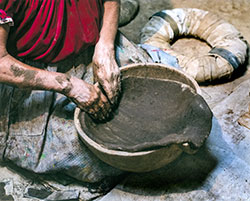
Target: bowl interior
x=152, y=113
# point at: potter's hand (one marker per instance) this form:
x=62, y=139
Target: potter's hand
x=106, y=70
x=89, y=98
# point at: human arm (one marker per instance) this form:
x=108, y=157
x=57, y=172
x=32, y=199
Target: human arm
x=13, y=72
x=106, y=70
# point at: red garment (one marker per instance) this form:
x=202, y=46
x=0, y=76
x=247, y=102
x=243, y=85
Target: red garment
x=51, y=30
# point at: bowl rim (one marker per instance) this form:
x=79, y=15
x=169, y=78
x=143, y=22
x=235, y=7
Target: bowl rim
x=194, y=82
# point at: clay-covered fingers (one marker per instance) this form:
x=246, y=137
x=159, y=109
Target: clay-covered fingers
x=100, y=109
x=109, y=79
x=111, y=87
x=106, y=70
x=118, y=90
x=89, y=98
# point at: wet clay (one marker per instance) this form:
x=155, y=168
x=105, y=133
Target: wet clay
x=152, y=114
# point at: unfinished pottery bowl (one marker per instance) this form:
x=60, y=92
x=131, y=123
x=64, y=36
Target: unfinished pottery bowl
x=160, y=115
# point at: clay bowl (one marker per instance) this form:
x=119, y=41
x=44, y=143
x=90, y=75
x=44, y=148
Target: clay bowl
x=160, y=115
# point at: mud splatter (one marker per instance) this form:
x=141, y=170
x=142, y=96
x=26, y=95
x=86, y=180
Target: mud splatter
x=27, y=74
x=39, y=81
x=64, y=81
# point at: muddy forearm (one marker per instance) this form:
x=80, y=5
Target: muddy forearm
x=16, y=73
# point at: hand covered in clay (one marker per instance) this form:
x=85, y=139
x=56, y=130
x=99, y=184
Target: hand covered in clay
x=106, y=70
x=89, y=98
